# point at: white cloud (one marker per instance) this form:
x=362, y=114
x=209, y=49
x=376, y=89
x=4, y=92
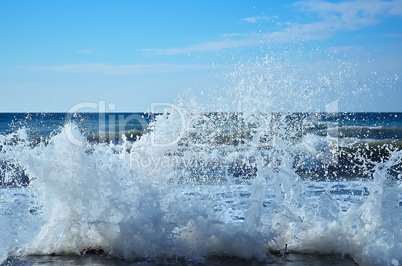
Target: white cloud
x=118, y=69
x=332, y=17
x=353, y=14
x=228, y=35
x=394, y=35
x=255, y=19
x=293, y=34
x=206, y=46
x=345, y=49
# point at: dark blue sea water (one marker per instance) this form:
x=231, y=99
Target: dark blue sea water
x=195, y=187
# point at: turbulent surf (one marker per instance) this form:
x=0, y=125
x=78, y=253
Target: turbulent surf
x=194, y=180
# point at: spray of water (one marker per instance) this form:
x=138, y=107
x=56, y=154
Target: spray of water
x=203, y=184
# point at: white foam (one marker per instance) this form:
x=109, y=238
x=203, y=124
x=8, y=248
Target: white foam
x=150, y=202
x=99, y=199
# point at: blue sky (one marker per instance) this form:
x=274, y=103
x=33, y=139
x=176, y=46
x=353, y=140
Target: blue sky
x=57, y=54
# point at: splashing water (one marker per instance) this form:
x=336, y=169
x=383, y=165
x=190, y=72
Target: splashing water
x=202, y=183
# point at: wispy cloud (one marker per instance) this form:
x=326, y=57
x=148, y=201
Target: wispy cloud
x=255, y=19
x=394, y=35
x=345, y=49
x=332, y=17
x=118, y=69
x=205, y=46
x=229, y=35
x=351, y=15
x=292, y=34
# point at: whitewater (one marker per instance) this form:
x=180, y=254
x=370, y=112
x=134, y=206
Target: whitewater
x=200, y=181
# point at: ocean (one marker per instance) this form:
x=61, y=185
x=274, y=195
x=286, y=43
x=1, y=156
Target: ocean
x=217, y=188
